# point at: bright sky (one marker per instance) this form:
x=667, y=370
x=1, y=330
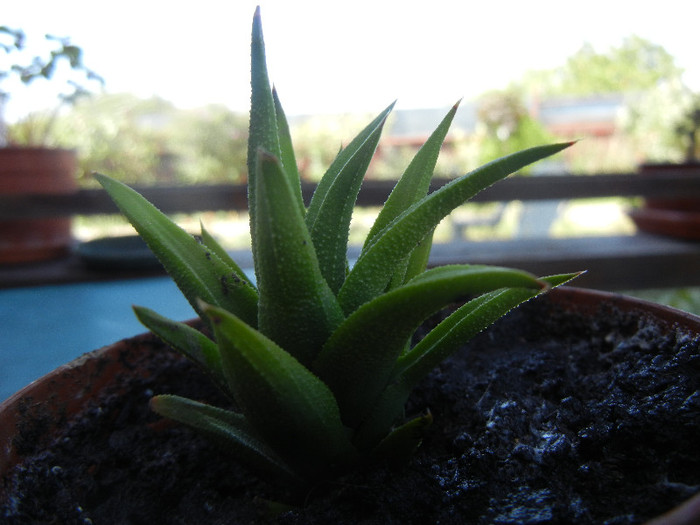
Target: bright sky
x=327, y=56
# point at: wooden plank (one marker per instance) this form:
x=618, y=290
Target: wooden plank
x=190, y=199
x=612, y=263
x=558, y=187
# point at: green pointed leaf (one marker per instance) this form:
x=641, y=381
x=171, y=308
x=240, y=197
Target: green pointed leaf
x=190, y=342
x=400, y=445
x=212, y=244
x=359, y=357
x=473, y=317
x=330, y=210
x=344, y=155
x=413, y=186
x=296, y=308
x=376, y=265
x=560, y=279
x=419, y=258
x=464, y=324
x=414, y=264
x=287, y=405
x=287, y=158
x=441, y=342
x=197, y=271
x=228, y=428
x=461, y=326
x=415, y=182
x=263, y=131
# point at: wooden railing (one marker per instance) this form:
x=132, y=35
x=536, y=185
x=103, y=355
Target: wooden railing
x=613, y=263
x=189, y=199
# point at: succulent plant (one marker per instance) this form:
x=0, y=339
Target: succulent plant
x=316, y=356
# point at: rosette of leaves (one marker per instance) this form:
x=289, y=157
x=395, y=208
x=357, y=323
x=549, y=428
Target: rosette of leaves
x=316, y=355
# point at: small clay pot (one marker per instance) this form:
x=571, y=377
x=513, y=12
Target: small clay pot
x=26, y=171
x=677, y=217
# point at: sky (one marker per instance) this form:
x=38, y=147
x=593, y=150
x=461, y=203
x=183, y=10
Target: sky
x=333, y=57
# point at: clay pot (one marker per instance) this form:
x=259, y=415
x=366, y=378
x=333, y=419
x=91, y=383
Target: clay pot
x=678, y=217
x=37, y=412
x=31, y=417
x=25, y=171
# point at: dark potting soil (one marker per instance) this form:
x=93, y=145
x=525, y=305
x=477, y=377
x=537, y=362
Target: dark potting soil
x=544, y=418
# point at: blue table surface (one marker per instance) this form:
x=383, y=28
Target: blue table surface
x=46, y=326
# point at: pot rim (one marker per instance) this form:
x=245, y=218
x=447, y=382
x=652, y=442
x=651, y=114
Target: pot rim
x=589, y=300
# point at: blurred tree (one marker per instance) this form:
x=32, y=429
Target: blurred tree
x=317, y=140
x=117, y=134
x=661, y=123
x=505, y=126
x=149, y=141
x=210, y=143
x=655, y=100
x=688, y=128
x=20, y=64
x=636, y=65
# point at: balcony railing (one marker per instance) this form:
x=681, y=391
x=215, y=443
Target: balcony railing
x=214, y=197
x=613, y=263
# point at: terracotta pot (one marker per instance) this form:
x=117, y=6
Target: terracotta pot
x=678, y=217
x=38, y=411
x=36, y=171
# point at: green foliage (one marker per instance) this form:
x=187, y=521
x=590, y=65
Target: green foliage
x=646, y=80
x=636, y=65
x=28, y=70
x=112, y=135
x=660, y=122
x=688, y=129
x=505, y=125
x=209, y=144
x=152, y=141
x=316, y=358
x=42, y=67
x=317, y=140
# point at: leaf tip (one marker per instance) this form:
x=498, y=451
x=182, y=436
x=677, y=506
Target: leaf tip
x=99, y=177
x=209, y=310
x=257, y=26
x=155, y=403
x=575, y=275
